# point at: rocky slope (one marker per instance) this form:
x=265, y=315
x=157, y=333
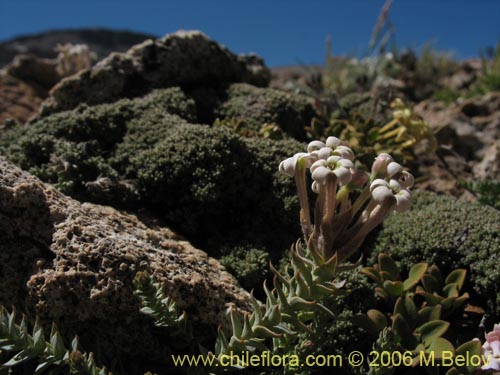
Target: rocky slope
x=74, y=263
x=101, y=41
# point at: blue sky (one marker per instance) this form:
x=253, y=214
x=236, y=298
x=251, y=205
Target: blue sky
x=283, y=32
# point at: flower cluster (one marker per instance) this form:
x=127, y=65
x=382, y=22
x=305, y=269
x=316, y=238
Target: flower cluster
x=341, y=225
x=491, y=349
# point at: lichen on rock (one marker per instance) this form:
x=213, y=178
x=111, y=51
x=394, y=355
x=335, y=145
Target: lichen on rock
x=186, y=58
x=73, y=263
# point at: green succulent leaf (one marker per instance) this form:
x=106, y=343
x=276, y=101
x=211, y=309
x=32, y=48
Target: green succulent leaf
x=429, y=313
x=373, y=274
x=393, y=288
x=407, y=308
x=404, y=333
x=430, y=283
x=416, y=273
x=431, y=299
x=377, y=318
x=469, y=349
x=438, y=346
x=388, y=266
x=456, y=277
x=435, y=272
x=430, y=331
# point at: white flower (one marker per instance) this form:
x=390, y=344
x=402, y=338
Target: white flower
x=315, y=146
x=333, y=142
x=379, y=167
x=336, y=165
x=491, y=349
x=405, y=179
x=344, y=152
x=382, y=190
x=301, y=159
x=394, y=168
x=323, y=153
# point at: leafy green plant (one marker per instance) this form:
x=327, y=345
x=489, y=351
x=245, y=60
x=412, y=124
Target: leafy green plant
x=398, y=136
x=162, y=309
x=488, y=192
x=418, y=310
x=22, y=348
x=241, y=127
x=340, y=226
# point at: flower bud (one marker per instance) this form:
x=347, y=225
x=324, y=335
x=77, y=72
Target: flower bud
x=379, y=167
x=315, y=146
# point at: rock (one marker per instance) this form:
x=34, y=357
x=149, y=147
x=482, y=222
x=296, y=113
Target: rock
x=489, y=167
x=35, y=71
x=207, y=183
x=74, y=263
x=44, y=44
x=187, y=59
x=470, y=128
x=18, y=100
x=465, y=75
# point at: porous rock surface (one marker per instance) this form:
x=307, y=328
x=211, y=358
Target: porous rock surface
x=74, y=263
x=186, y=58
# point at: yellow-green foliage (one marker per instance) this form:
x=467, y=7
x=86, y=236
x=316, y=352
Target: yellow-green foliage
x=369, y=133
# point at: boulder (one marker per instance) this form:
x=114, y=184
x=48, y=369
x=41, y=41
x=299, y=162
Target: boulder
x=18, y=100
x=186, y=58
x=74, y=263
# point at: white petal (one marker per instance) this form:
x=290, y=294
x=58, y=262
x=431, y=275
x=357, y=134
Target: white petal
x=393, y=168
x=493, y=364
x=333, y=159
x=377, y=183
x=380, y=163
x=405, y=179
x=307, y=160
x=320, y=174
x=495, y=346
x=287, y=167
x=314, y=146
x=333, y=142
x=394, y=185
x=344, y=175
x=315, y=187
x=318, y=163
x=324, y=153
x=345, y=163
x=381, y=193
x=403, y=201
x=344, y=152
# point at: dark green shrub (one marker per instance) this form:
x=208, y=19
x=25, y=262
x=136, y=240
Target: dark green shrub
x=206, y=183
x=488, y=192
x=216, y=187
x=259, y=106
x=451, y=234
x=249, y=265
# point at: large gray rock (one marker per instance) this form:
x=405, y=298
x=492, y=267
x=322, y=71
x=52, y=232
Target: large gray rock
x=74, y=263
x=470, y=128
x=186, y=58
